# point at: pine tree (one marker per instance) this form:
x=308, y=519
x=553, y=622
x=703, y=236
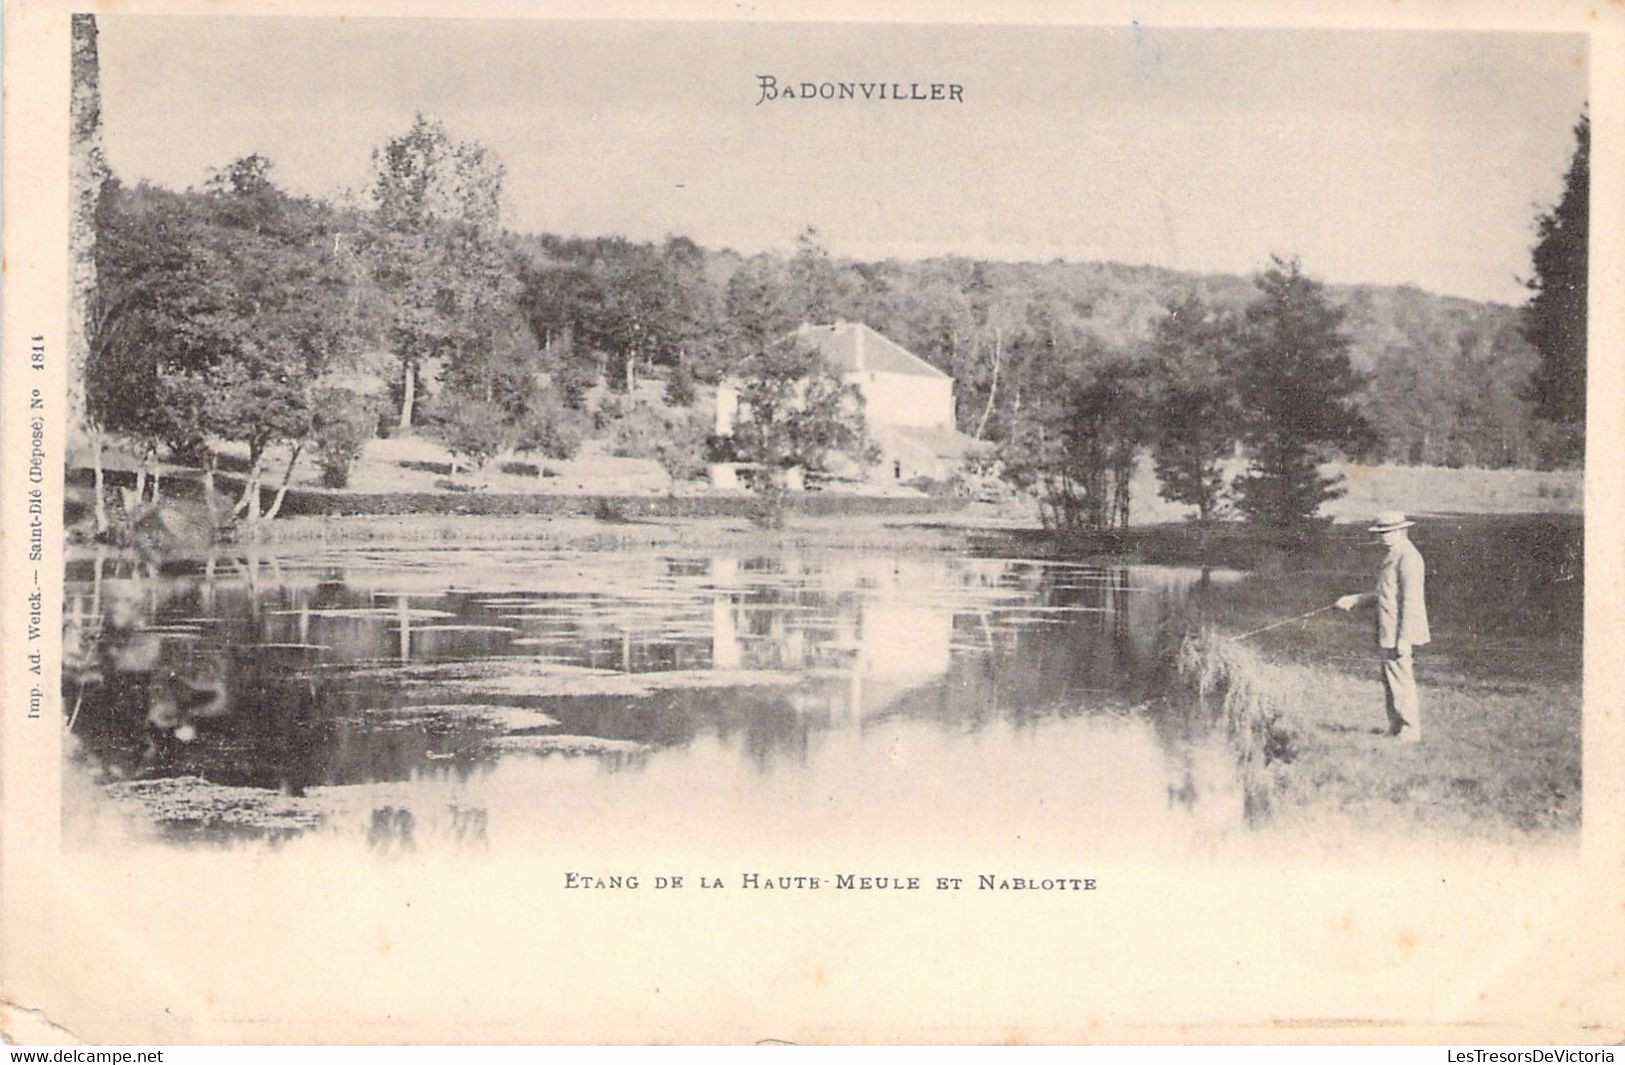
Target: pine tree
x=1191, y=403
x=1295, y=387
x=1554, y=319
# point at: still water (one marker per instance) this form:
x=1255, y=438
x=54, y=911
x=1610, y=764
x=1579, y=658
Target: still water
x=477, y=695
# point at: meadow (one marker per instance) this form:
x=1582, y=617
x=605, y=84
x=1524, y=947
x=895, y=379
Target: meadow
x=1500, y=683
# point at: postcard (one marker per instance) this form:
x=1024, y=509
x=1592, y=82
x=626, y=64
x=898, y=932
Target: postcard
x=1038, y=524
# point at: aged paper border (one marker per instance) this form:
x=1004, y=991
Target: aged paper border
x=1525, y=950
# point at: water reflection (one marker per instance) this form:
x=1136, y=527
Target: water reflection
x=450, y=670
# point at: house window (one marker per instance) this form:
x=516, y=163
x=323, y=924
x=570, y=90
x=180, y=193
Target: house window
x=897, y=470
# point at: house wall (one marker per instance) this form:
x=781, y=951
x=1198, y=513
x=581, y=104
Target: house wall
x=905, y=399
x=907, y=463
x=727, y=408
x=889, y=399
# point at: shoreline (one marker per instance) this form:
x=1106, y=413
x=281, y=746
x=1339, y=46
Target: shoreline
x=1501, y=760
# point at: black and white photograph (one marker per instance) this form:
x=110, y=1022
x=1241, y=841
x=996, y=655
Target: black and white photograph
x=637, y=529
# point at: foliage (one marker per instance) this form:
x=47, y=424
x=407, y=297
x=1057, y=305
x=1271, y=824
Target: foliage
x=1077, y=447
x=473, y=429
x=629, y=306
x=479, y=430
x=1554, y=320
x=675, y=438
x=679, y=391
x=1294, y=387
x=215, y=313
x=549, y=426
x=796, y=411
x=1444, y=374
x=341, y=423
x=435, y=251
x=1194, y=421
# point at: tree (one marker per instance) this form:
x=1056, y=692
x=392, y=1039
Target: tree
x=341, y=423
x=436, y=251
x=1194, y=421
x=816, y=294
x=148, y=348
x=87, y=170
x=1554, y=320
x=216, y=313
x=285, y=321
x=1295, y=387
x=674, y=437
x=1076, y=441
x=756, y=307
x=472, y=428
x=795, y=411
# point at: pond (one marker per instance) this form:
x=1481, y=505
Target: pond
x=484, y=695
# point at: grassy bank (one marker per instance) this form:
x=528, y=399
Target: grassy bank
x=960, y=530
x=1500, y=686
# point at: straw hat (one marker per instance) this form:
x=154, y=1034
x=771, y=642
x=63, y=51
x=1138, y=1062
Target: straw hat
x=1390, y=521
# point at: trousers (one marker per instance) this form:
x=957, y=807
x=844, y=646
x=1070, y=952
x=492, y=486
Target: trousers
x=1399, y=691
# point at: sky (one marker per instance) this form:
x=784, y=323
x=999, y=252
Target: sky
x=1377, y=157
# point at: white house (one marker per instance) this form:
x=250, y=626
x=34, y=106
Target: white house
x=909, y=404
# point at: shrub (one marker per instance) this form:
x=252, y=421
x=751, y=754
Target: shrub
x=610, y=409
x=676, y=439
x=550, y=427
x=769, y=504
x=680, y=387
x=471, y=428
x=341, y=424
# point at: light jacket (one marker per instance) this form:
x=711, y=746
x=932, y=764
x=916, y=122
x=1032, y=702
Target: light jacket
x=1402, y=611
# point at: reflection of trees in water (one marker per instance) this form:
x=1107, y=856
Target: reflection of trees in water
x=172, y=675
x=182, y=671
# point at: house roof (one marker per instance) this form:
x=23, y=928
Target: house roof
x=852, y=347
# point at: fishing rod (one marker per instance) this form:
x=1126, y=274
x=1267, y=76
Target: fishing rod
x=1301, y=617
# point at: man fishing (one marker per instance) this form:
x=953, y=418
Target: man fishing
x=1402, y=622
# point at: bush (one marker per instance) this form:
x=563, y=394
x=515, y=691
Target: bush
x=680, y=387
x=550, y=427
x=769, y=503
x=471, y=428
x=676, y=439
x=574, y=374
x=610, y=409
x=341, y=424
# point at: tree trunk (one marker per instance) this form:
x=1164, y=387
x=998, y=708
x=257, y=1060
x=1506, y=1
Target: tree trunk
x=253, y=515
x=156, y=474
x=287, y=476
x=993, y=386
x=101, y=487
x=219, y=512
x=250, y=500
x=409, y=390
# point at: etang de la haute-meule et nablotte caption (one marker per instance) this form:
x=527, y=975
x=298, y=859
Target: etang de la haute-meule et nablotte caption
x=840, y=882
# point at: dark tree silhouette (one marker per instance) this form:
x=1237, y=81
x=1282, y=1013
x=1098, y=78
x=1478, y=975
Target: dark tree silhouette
x=1295, y=387
x=1554, y=319
x=1194, y=421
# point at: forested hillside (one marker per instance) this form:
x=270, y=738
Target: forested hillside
x=238, y=312
x=1446, y=377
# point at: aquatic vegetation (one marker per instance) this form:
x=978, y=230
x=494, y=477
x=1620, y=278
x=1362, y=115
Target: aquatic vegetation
x=1254, y=701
